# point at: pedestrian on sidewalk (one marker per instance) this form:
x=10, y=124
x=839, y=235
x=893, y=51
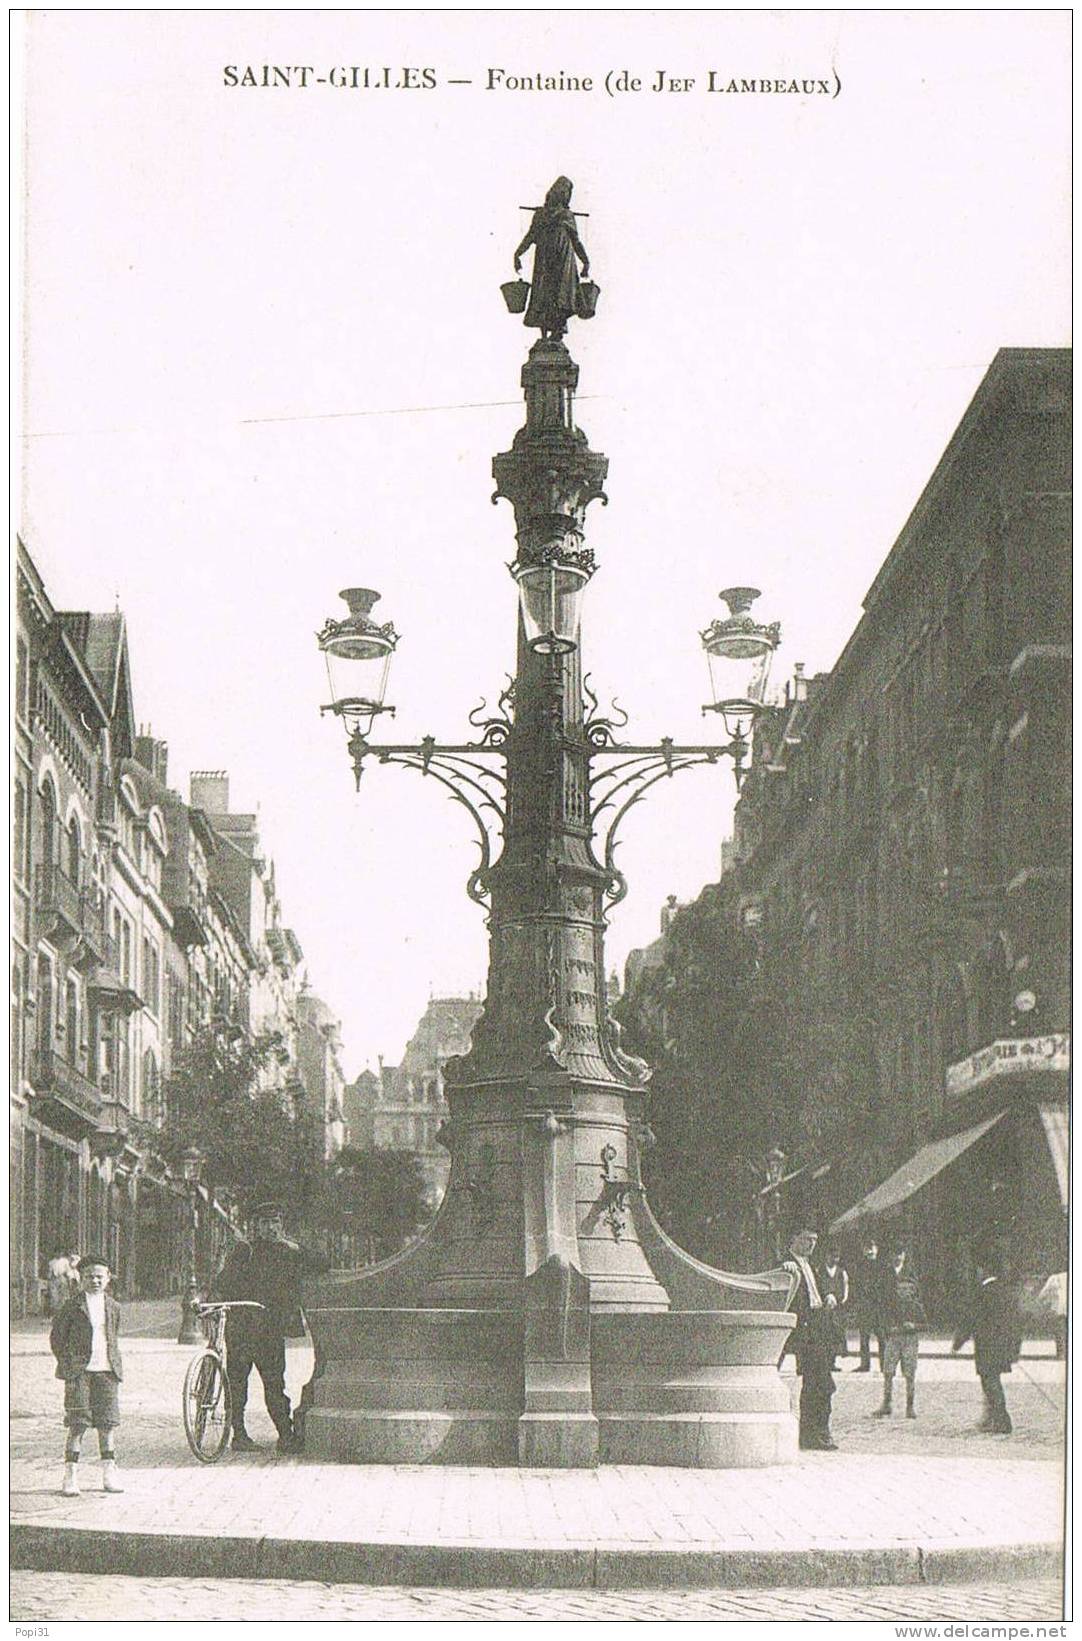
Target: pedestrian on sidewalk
x=995, y=1329
x=85, y=1339
x=833, y=1278
x=269, y=1271
x=866, y=1301
x=62, y=1280
x=903, y=1318
x=814, y=1343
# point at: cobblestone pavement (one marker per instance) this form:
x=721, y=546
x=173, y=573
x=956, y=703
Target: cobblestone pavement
x=57, y=1596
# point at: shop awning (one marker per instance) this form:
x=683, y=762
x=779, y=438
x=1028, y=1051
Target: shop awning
x=930, y=1160
x=1054, y=1119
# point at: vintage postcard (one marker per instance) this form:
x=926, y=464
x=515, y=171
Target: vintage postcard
x=540, y=1018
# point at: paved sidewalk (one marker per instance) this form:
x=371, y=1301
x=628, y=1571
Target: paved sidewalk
x=905, y=1501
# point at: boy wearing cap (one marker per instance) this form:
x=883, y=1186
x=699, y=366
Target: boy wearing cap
x=903, y=1317
x=268, y=1270
x=85, y=1339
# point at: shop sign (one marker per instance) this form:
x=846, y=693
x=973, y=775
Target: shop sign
x=1012, y=1054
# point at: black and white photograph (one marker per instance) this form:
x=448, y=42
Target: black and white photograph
x=540, y=734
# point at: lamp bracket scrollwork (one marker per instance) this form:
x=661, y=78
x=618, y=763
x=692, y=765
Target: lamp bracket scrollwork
x=600, y=731
x=479, y=786
x=496, y=730
x=625, y=782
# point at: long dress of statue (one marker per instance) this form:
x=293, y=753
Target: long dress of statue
x=554, y=289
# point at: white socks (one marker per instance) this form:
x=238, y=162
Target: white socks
x=110, y=1480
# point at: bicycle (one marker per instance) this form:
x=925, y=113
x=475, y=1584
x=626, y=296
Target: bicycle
x=208, y=1403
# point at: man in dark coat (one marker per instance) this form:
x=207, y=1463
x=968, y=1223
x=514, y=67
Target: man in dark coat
x=268, y=1270
x=995, y=1329
x=814, y=1343
x=866, y=1302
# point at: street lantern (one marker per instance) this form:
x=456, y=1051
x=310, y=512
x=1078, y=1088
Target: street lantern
x=191, y=1330
x=358, y=653
x=739, y=651
x=550, y=597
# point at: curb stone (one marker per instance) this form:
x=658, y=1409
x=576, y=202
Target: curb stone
x=193, y=1555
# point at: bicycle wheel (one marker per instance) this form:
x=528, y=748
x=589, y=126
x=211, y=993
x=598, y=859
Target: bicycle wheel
x=206, y=1407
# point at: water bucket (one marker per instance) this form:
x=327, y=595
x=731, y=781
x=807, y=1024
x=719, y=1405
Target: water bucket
x=515, y=293
x=587, y=302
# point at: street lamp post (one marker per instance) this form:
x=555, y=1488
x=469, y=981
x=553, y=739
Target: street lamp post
x=191, y=1330
x=544, y=1314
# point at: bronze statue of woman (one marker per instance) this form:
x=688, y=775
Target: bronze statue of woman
x=554, y=289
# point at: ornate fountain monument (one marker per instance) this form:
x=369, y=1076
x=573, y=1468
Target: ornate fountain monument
x=545, y=1318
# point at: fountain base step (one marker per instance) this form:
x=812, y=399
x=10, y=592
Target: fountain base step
x=418, y=1386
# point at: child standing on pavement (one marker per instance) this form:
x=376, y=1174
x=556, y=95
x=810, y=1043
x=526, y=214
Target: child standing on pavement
x=85, y=1341
x=903, y=1318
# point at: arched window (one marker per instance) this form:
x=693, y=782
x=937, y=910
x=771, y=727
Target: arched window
x=74, y=851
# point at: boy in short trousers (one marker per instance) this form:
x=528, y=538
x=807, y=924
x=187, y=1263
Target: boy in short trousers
x=85, y=1339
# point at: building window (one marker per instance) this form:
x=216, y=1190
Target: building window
x=74, y=851
x=176, y=1011
x=151, y=1088
x=151, y=976
x=123, y=1062
x=47, y=814
x=18, y=829
x=45, y=1005
x=71, y=1021
x=22, y=679
x=18, y=989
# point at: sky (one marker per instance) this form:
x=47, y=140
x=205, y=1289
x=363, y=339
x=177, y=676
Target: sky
x=265, y=357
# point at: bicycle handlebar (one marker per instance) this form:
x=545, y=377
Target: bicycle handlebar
x=230, y=1305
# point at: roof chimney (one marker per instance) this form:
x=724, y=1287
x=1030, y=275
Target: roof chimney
x=209, y=790
x=152, y=754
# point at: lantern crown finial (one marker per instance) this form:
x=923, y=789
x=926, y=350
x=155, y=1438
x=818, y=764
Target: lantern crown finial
x=360, y=599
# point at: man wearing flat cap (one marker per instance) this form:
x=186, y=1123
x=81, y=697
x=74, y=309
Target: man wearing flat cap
x=268, y=1269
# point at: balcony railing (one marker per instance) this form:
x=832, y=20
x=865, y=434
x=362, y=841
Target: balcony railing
x=54, y=1078
x=99, y=947
x=58, y=901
